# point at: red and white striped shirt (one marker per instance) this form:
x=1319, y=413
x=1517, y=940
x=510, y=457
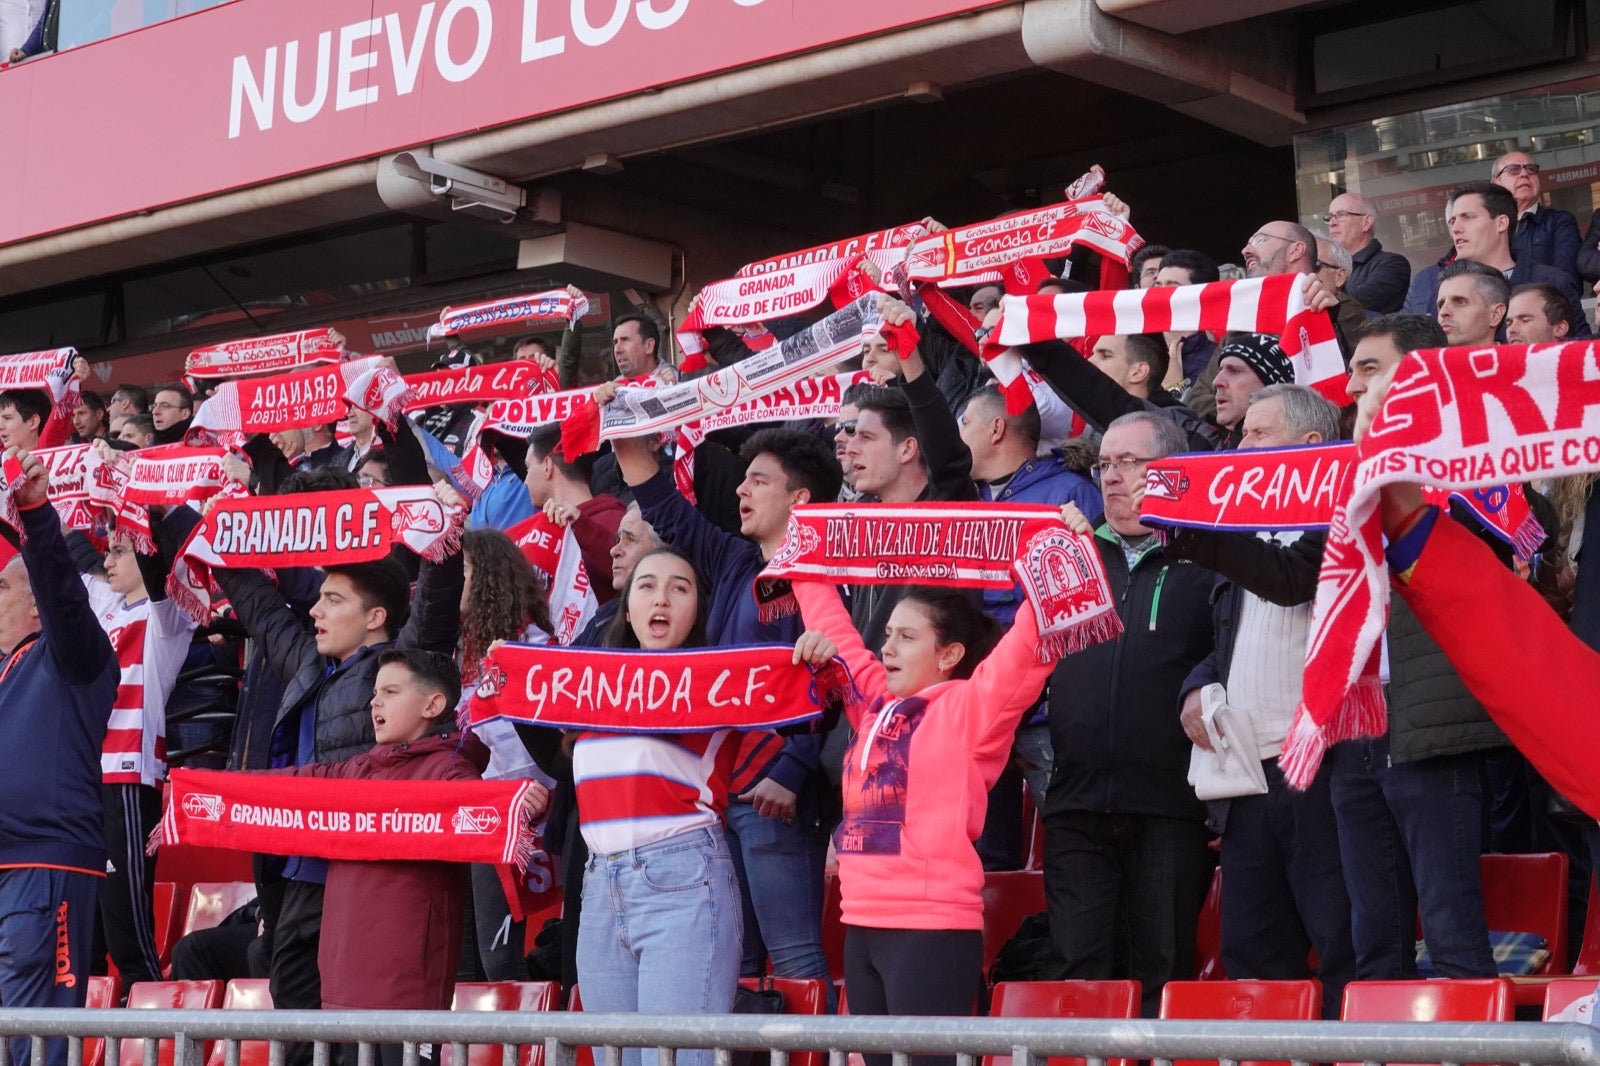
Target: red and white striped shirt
x=635, y=789
x=151, y=641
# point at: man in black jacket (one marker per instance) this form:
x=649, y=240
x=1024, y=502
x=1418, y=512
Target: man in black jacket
x=1280, y=851
x=1126, y=862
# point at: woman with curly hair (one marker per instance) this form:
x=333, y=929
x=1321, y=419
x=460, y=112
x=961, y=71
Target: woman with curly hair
x=501, y=599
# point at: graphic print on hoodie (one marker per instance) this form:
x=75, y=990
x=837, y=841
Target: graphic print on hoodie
x=876, y=767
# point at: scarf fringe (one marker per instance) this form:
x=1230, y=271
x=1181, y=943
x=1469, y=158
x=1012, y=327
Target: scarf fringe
x=1527, y=537
x=188, y=601
x=1364, y=713
x=1096, y=630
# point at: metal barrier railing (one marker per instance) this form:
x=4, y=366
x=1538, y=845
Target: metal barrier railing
x=1026, y=1040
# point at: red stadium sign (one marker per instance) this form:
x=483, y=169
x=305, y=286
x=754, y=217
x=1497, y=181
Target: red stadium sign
x=246, y=93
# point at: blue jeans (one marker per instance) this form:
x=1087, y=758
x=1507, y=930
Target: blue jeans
x=1285, y=888
x=46, y=933
x=1410, y=834
x=780, y=870
x=660, y=933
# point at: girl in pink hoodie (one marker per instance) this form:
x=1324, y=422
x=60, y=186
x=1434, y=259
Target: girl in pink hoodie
x=932, y=733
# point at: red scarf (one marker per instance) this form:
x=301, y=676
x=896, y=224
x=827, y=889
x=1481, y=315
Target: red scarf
x=513, y=418
x=70, y=471
x=557, y=305
x=474, y=385
x=1299, y=488
x=967, y=253
x=311, y=529
x=751, y=687
x=553, y=551
x=169, y=474
x=1273, y=305
x=312, y=397
x=953, y=545
x=1460, y=419
x=264, y=355
x=349, y=820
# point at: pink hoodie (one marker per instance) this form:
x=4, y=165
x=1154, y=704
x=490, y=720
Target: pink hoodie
x=918, y=773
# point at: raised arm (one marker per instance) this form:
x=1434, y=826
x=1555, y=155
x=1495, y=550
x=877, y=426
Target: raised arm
x=1004, y=687
x=71, y=630
x=1284, y=574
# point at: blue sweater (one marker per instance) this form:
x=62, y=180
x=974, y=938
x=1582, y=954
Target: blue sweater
x=730, y=564
x=56, y=690
x=1047, y=480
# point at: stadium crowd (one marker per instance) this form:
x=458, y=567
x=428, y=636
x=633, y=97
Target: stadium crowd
x=688, y=860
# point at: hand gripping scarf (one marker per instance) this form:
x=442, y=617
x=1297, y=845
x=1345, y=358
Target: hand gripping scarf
x=349, y=820
x=637, y=412
x=751, y=687
x=311, y=529
x=966, y=252
x=264, y=355
x=312, y=397
x=806, y=398
x=1272, y=305
x=48, y=371
x=1299, y=488
x=169, y=474
x=557, y=305
x=1458, y=419
x=953, y=545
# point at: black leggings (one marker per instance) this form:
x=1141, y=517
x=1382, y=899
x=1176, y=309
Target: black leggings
x=915, y=972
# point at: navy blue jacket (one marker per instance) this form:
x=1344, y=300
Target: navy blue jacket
x=56, y=691
x=730, y=564
x=1046, y=480
x=1423, y=299
x=1378, y=279
x=1549, y=237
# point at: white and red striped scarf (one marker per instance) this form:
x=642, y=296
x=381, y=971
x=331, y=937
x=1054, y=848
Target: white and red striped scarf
x=311, y=529
x=1273, y=305
x=1458, y=419
x=256, y=356
x=553, y=552
x=313, y=397
x=557, y=305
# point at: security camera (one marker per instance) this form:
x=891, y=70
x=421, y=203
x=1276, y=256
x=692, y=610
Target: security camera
x=466, y=190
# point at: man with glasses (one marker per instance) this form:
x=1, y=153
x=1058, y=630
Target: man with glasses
x=172, y=412
x=1378, y=279
x=1126, y=864
x=1543, y=234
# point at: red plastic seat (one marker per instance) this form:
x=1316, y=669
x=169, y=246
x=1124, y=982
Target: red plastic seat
x=504, y=996
x=1589, y=951
x=245, y=993
x=1486, y=999
x=833, y=928
x=1208, y=934
x=102, y=992
x=1063, y=999
x=1561, y=994
x=1528, y=894
x=1284, y=1001
x=169, y=995
x=212, y=901
x=171, y=898
x=801, y=995
x=1008, y=897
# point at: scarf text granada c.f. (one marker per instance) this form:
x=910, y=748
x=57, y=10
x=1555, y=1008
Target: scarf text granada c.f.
x=955, y=545
x=1456, y=419
x=353, y=820
x=697, y=690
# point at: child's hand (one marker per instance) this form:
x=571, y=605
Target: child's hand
x=535, y=801
x=814, y=648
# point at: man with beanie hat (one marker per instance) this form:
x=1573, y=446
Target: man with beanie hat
x=1247, y=363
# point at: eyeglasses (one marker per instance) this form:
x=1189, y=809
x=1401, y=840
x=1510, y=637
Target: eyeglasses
x=1126, y=465
x=1262, y=236
x=1516, y=170
x=164, y=406
x=847, y=428
x=1332, y=215
x=112, y=553
x=367, y=481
